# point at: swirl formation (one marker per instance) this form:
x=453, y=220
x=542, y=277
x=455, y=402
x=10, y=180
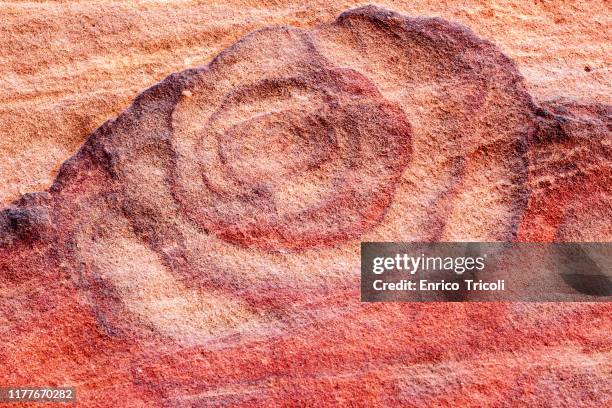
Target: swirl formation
x=250, y=182
x=290, y=162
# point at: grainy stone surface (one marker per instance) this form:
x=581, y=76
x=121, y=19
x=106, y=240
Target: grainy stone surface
x=202, y=248
x=69, y=65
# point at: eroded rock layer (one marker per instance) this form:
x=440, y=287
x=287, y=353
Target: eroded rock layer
x=202, y=248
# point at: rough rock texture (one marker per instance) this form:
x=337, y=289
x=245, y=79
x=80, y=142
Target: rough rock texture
x=66, y=66
x=571, y=174
x=202, y=249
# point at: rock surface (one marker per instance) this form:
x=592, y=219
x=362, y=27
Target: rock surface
x=69, y=65
x=202, y=248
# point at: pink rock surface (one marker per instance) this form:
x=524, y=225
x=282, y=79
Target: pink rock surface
x=202, y=249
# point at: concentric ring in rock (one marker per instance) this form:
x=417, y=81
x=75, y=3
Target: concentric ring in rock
x=253, y=179
x=289, y=162
x=293, y=139
x=376, y=127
